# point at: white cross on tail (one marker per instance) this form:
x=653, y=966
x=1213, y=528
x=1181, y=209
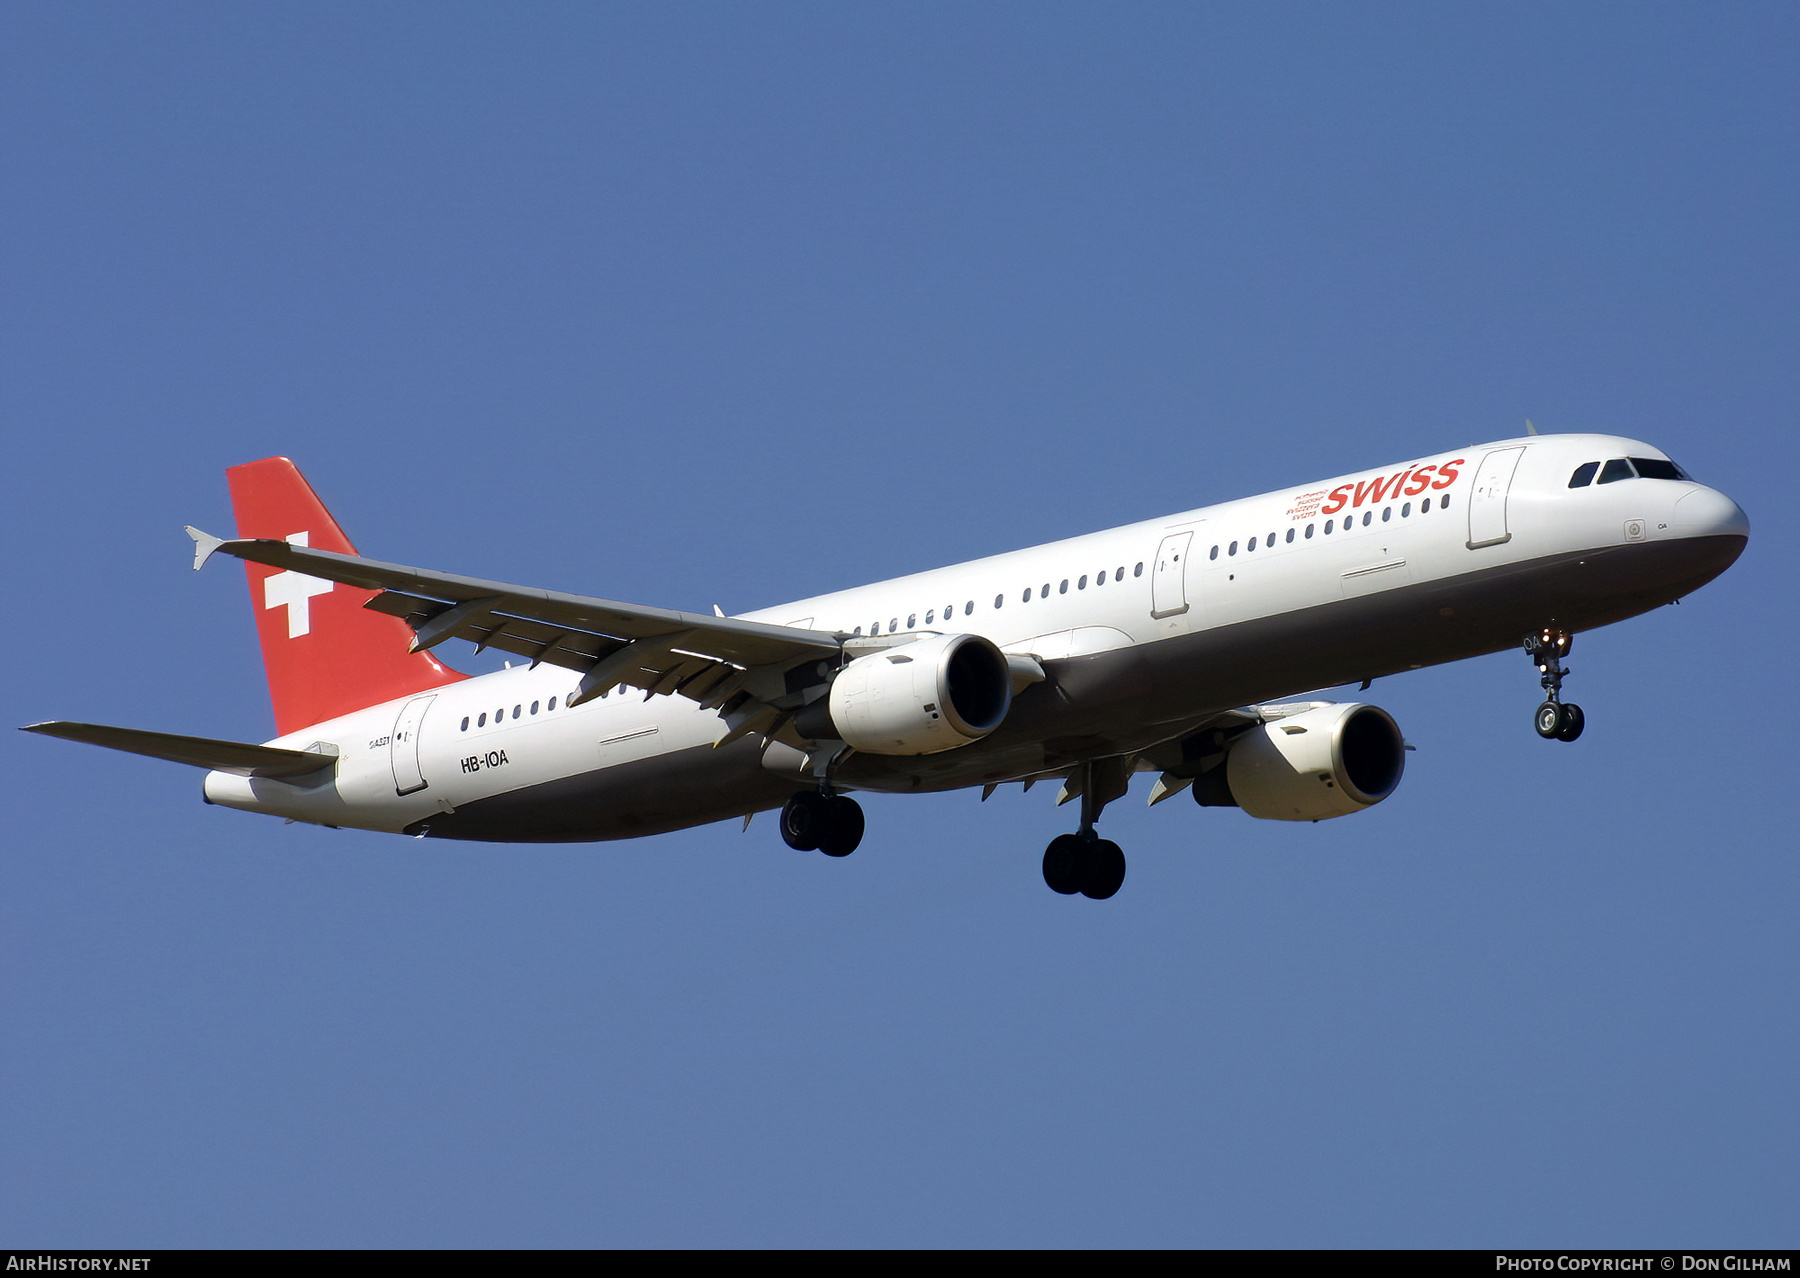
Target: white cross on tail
x=295, y=591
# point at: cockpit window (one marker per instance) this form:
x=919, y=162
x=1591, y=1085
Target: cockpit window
x=1584, y=475
x=1656, y=468
x=1616, y=469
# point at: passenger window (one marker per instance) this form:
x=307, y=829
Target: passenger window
x=1044, y=591
x=1615, y=470
x=912, y=619
x=1656, y=468
x=1232, y=549
x=1444, y=501
x=969, y=609
x=893, y=624
x=1309, y=529
x=465, y=726
x=1082, y=584
x=1290, y=537
x=1387, y=513
x=1406, y=510
x=1584, y=475
x=1425, y=505
x=949, y=611
x=1215, y=553
x=516, y=710
x=928, y=616
x=552, y=704
x=1101, y=579
x=1118, y=574
x=1251, y=546
x=853, y=634
x=1269, y=540
x=1139, y=570
x=1026, y=597
x=534, y=707
x=1064, y=588
x=998, y=600
x=1328, y=526
x=1368, y=517
x=482, y=721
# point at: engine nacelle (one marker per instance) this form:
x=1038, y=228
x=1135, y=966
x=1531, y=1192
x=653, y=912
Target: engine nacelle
x=1327, y=762
x=919, y=698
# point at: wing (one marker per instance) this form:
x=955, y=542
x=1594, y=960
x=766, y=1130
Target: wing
x=1199, y=747
x=740, y=667
x=236, y=757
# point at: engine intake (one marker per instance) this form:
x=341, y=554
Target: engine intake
x=1327, y=762
x=922, y=698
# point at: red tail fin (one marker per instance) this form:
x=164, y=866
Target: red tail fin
x=325, y=654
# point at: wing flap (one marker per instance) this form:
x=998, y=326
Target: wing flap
x=492, y=627
x=236, y=757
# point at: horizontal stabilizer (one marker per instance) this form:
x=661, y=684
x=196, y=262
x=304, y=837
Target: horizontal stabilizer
x=235, y=757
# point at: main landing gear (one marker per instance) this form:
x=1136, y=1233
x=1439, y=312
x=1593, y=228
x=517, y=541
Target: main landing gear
x=1556, y=719
x=1084, y=862
x=817, y=820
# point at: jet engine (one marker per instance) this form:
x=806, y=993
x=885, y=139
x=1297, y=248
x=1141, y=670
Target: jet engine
x=1326, y=762
x=921, y=698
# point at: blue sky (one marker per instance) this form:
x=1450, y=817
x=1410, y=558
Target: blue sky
x=697, y=304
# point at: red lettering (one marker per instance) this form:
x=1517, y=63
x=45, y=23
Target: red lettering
x=1447, y=473
x=1421, y=480
x=1377, y=487
x=1336, y=501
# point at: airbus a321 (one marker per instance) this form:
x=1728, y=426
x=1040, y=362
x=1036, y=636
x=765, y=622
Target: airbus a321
x=1174, y=647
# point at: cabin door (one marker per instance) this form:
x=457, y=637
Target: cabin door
x=403, y=749
x=1168, y=584
x=1487, y=503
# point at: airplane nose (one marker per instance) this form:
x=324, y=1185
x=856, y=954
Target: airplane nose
x=1707, y=512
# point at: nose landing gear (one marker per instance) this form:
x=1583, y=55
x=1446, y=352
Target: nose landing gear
x=1556, y=719
x=817, y=820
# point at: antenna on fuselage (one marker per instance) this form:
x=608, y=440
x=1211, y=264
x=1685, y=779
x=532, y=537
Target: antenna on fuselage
x=1529, y=428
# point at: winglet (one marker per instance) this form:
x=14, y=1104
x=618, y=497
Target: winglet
x=204, y=545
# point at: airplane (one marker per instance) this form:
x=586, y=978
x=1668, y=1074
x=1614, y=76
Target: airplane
x=1166, y=646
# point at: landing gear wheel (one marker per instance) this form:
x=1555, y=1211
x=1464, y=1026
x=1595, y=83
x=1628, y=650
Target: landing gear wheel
x=1064, y=861
x=804, y=820
x=1105, y=870
x=828, y=823
x=1556, y=720
x=1083, y=863
x=843, y=826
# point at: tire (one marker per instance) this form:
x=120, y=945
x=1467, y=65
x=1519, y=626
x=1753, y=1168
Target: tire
x=1063, y=864
x=843, y=826
x=1106, y=870
x=1549, y=721
x=1573, y=722
x=803, y=821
